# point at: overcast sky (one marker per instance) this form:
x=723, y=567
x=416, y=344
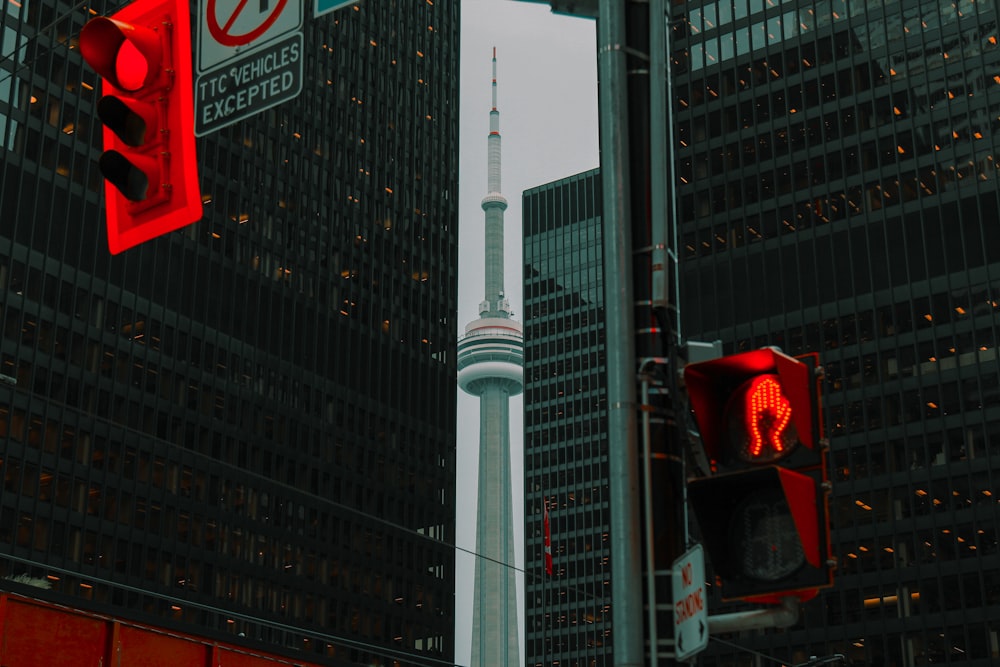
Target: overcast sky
x=547, y=98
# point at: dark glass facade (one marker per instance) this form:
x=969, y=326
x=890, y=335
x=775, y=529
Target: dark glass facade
x=568, y=614
x=247, y=427
x=837, y=192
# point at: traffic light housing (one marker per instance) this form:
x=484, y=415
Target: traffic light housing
x=143, y=55
x=763, y=512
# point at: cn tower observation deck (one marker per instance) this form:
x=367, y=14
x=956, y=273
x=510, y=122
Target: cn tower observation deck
x=491, y=353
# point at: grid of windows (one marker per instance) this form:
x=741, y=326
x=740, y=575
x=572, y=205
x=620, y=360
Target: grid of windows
x=837, y=187
x=246, y=426
x=568, y=614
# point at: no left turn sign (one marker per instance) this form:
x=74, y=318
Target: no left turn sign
x=228, y=28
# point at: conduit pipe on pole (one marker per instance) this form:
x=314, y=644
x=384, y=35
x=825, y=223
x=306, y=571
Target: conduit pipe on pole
x=660, y=169
x=623, y=463
x=784, y=616
x=645, y=373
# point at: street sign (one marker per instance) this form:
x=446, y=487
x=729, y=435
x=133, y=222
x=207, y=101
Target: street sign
x=690, y=605
x=249, y=59
x=321, y=7
x=248, y=85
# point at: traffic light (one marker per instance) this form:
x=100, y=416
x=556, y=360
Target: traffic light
x=763, y=513
x=143, y=55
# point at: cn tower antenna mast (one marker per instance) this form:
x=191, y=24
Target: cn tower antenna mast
x=494, y=205
x=491, y=366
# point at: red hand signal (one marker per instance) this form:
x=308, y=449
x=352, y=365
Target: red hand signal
x=768, y=413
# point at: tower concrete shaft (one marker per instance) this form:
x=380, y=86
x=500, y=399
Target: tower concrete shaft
x=494, y=626
x=491, y=366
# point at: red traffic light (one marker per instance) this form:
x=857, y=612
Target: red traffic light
x=765, y=526
x=143, y=55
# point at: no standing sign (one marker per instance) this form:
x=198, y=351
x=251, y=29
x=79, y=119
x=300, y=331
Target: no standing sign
x=690, y=610
x=249, y=59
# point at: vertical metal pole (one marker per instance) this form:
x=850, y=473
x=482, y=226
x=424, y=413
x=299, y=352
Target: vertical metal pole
x=623, y=468
x=659, y=176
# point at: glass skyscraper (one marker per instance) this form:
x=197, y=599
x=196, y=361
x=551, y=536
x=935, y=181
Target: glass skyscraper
x=245, y=428
x=837, y=192
x=565, y=425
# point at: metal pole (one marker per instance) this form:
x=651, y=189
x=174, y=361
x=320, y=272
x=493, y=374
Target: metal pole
x=623, y=468
x=659, y=177
x=647, y=459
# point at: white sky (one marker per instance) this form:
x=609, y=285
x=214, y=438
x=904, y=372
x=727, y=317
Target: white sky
x=547, y=98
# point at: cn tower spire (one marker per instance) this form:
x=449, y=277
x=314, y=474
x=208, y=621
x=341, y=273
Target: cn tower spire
x=494, y=204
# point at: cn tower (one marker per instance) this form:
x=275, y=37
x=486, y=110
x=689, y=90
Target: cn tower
x=491, y=366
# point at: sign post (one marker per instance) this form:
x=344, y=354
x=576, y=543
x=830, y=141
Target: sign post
x=690, y=605
x=249, y=59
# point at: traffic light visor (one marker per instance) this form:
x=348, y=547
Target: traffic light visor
x=132, y=176
x=133, y=121
x=126, y=56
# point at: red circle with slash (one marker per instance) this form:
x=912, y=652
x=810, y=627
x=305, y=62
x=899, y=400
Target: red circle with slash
x=223, y=34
